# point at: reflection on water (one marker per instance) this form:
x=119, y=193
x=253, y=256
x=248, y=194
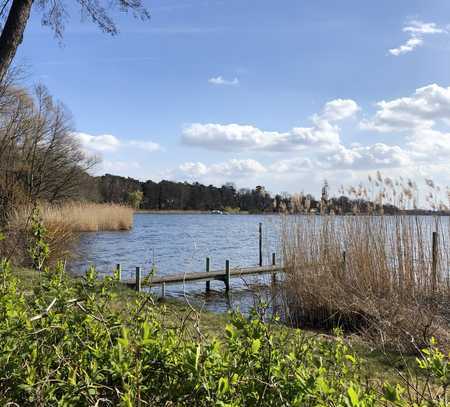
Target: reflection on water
x=178, y=243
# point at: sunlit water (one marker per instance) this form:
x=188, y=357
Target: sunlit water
x=178, y=243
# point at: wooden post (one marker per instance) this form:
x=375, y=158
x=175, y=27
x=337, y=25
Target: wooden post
x=138, y=279
x=163, y=290
x=119, y=271
x=434, y=261
x=260, y=245
x=208, y=283
x=227, y=275
x=274, y=275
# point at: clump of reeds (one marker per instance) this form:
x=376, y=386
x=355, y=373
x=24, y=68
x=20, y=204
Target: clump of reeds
x=62, y=223
x=88, y=217
x=374, y=274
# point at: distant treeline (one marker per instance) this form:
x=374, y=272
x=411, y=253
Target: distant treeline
x=169, y=195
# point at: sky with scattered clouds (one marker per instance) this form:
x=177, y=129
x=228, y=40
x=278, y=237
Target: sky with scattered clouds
x=257, y=92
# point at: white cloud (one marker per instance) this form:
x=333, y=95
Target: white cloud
x=100, y=143
x=236, y=137
x=107, y=143
x=233, y=167
x=417, y=27
x=339, y=109
x=429, y=145
x=417, y=30
x=148, y=146
x=318, y=149
x=221, y=81
x=196, y=169
x=426, y=107
x=371, y=157
x=408, y=46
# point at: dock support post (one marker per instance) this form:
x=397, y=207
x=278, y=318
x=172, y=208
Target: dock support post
x=163, y=290
x=434, y=261
x=227, y=275
x=260, y=245
x=138, y=279
x=119, y=271
x=208, y=283
x=274, y=275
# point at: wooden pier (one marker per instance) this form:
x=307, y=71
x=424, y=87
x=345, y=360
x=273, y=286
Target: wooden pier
x=225, y=275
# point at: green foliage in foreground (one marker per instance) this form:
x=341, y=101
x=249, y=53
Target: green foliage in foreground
x=63, y=344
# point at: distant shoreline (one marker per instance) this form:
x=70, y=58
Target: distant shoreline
x=188, y=212
x=200, y=212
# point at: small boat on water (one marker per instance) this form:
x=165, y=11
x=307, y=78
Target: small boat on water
x=216, y=212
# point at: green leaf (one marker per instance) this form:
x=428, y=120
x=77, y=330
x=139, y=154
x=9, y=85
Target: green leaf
x=197, y=357
x=223, y=386
x=256, y=345
x=230, y=331
x=353, y=395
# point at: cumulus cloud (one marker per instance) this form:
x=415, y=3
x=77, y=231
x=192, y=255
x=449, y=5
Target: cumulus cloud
x=100, y=143
x=318, y=149
x=427, y=106
x=107, y=143
x=375, y=156
x=357, y=158
x=416, y=30
x=233, y=167
x=237, y=137
x=221, y=81
x=420, y=119
x=339, y=109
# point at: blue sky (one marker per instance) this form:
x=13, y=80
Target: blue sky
x=283, y=94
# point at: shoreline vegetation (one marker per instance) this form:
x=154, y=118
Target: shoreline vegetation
x=78, y=216
x=384, y=278
x=83, y=340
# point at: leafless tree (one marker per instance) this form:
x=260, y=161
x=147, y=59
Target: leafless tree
x=39, y=158
x=15, y=14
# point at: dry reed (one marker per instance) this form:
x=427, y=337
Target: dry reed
x=372, y=274
x=63, y=222
x=88, y=217
x=369, y=273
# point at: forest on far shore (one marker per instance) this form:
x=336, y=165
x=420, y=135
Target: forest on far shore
x=170, y=195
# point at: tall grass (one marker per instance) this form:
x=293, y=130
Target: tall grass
x=372, y=274
x=63, y=222
x=88, y=217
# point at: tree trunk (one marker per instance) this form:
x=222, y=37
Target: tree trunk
x=12, y=33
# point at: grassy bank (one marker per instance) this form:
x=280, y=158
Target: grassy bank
x=378, y=364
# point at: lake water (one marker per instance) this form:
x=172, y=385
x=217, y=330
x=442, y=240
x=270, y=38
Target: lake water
x=178, y=243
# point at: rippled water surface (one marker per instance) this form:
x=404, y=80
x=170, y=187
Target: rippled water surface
x=178, y=243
